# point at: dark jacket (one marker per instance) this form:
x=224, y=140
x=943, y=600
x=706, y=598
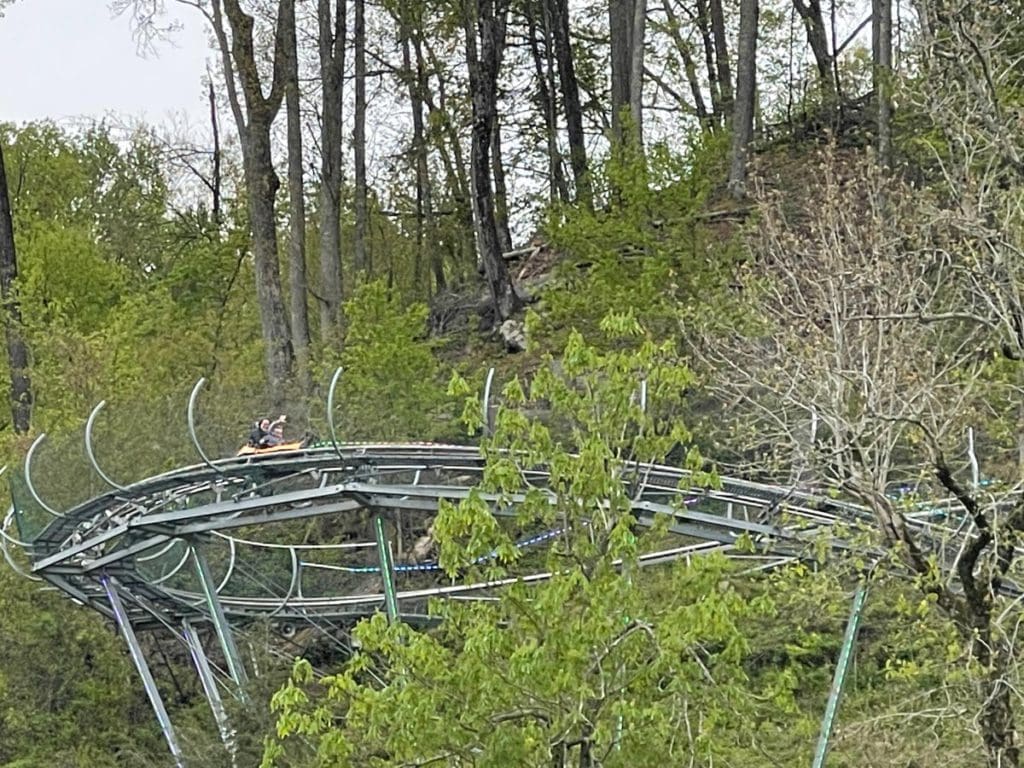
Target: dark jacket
x=256, y=435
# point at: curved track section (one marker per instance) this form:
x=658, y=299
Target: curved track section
x=255, y=519
x=317, y=538
x=322, y=536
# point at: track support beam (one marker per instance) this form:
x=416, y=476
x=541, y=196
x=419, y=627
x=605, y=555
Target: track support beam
x=387, y=570
x=195, y=647
x=839, y=679
x=125, y=625
x=220, y=623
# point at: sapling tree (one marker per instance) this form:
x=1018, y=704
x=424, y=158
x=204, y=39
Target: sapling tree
x=603, y=663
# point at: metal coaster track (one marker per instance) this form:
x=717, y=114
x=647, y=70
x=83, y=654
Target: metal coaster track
x=166, y=551
x=122, y=533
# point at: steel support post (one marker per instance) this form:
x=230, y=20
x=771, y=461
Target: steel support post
x=125, y=625
x=387, y=570
x=839, y=679
x=195, y=647
x=220, y=623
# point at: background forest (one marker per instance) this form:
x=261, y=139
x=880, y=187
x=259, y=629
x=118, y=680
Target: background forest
x=801, y=222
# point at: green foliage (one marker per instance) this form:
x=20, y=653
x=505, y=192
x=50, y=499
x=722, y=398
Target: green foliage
x=646, y=249
x=65, y=279
x=112, y=188
x=601, y=659
x=391, y=388
x=693, y=664
x=120, y=300
x=68, y=694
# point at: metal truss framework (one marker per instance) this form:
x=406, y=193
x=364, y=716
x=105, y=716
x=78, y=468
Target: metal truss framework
x=207, y=546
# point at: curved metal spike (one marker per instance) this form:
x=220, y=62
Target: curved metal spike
x=192, y=425
x=231, y=564
x=8, y=521
x=28, y=476
x=6, y=538
x=642, y=485
x=89, y=452
x=160, y=552
x=330, y=410
x=488, y=426
x=291, y=586
x=176, y=569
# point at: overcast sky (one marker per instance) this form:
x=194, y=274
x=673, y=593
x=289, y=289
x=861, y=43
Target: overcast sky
x=70, y=58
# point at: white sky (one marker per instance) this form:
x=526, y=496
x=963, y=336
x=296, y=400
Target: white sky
x=71, y=58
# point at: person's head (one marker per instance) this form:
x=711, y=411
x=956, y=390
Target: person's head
x=264, y=424
x=278, y=430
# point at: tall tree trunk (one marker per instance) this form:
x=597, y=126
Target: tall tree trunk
x=684, y=49
x=17, y=350
x=814, y=23
x=484, y=20
x=215, y=178
x=414, y=77
x=626, y=23
x=261, y=180
x=361, y=255
x=449, y=147
x=637, y=40
x=262, y=184
x=881, y=75
x=426, y=188
x=558, y=13
x=297, y=217
x=721, y=40
x=547, y=98
x=619, y=19
x=746, y=90
x=331, y=43
x=497, y=159
x=500, y=189
x=409, y=80
x=720, y=114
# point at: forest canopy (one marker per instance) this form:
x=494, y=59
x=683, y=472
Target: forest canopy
x=778, y=241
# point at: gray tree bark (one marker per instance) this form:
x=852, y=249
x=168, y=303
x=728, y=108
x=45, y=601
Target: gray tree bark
x=500, y=189
x=627, y=22
x=331, y=44
x=17, y=350
x=497, y=159
x=881, y=77
x=557, y=12
x=547, y=97
x=484, y=21
x=297, y=214
x=261, y=180
x=414, y=75
x=721, y=40
x=817, y=37
x=746, y=91
x=637, y=38
x=720, y=115
x=361, y=254
x=449, y=147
